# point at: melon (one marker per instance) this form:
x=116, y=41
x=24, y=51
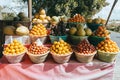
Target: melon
x=22, y=30
x=9, y=30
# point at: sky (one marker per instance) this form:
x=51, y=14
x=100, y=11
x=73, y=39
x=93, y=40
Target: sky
x=103, y=13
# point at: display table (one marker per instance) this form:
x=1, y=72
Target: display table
x=49, y=70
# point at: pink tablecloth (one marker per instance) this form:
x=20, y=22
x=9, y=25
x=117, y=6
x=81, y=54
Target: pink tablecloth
x=49, y=70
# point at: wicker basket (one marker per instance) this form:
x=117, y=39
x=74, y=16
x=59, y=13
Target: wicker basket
x=38, y=58
x=85, y=58
x=35, y=37
x=106, y=56
x=61, y=58
x=14, y=58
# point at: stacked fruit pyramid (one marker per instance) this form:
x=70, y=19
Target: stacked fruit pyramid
x=78, y=32
x=85, y=51
x=38, y=31
x=14, y=51
x=41, y=17
x=61, y=51
x=36, y=49
x=107, y=50
x=99, y=35
x=77, y=18
x=102, y=32
x=37, y=52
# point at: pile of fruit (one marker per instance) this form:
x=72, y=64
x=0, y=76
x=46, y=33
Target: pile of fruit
x=22, y=30
x=77, y=18
x=96, y=21
x=41, y=17
x=102, y=32
x=93, y=24
x=9, y=30
x=84, y=47
x=19, y=29
x=60, y=47
x=56, y=19
x=59, y=29
x=108, y=46
x=39, y=30
x=80, y=31
x=21, y=17
x=14, y=48
x=35, y=49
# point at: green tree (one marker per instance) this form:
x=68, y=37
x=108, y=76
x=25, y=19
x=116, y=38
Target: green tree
x=87, y=8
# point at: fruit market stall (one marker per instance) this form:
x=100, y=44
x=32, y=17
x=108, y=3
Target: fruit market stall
x=58, y=48
x=49, y=69
x=50, y=66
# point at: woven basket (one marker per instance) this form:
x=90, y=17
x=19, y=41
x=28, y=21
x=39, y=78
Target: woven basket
x=107, y=56
x=35, y=37
x=85, y=58
x=61, y=58
x=38, y=58
x=14, y=58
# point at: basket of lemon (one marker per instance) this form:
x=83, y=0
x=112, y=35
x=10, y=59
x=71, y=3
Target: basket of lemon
x=61, y=51
x=14, y=52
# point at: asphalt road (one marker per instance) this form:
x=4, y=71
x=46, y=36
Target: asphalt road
x=116, y=37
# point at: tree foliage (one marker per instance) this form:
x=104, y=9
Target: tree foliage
x=87, y=8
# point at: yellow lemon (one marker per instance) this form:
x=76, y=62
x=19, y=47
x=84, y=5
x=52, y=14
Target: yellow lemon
x=56, y=51
x=57, y=46
x=61, y=41
x=55, y=42
x=12, y=44
x=15, y=41
x=60, y=48
x=12, y=51
x=59, y=52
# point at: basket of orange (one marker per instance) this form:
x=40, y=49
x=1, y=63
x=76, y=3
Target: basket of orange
x=85, y=51
x=38, y=31
x=37, y=52
x=99, y=35
x=77, y=19
x=107, y=50
x=14, y=52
